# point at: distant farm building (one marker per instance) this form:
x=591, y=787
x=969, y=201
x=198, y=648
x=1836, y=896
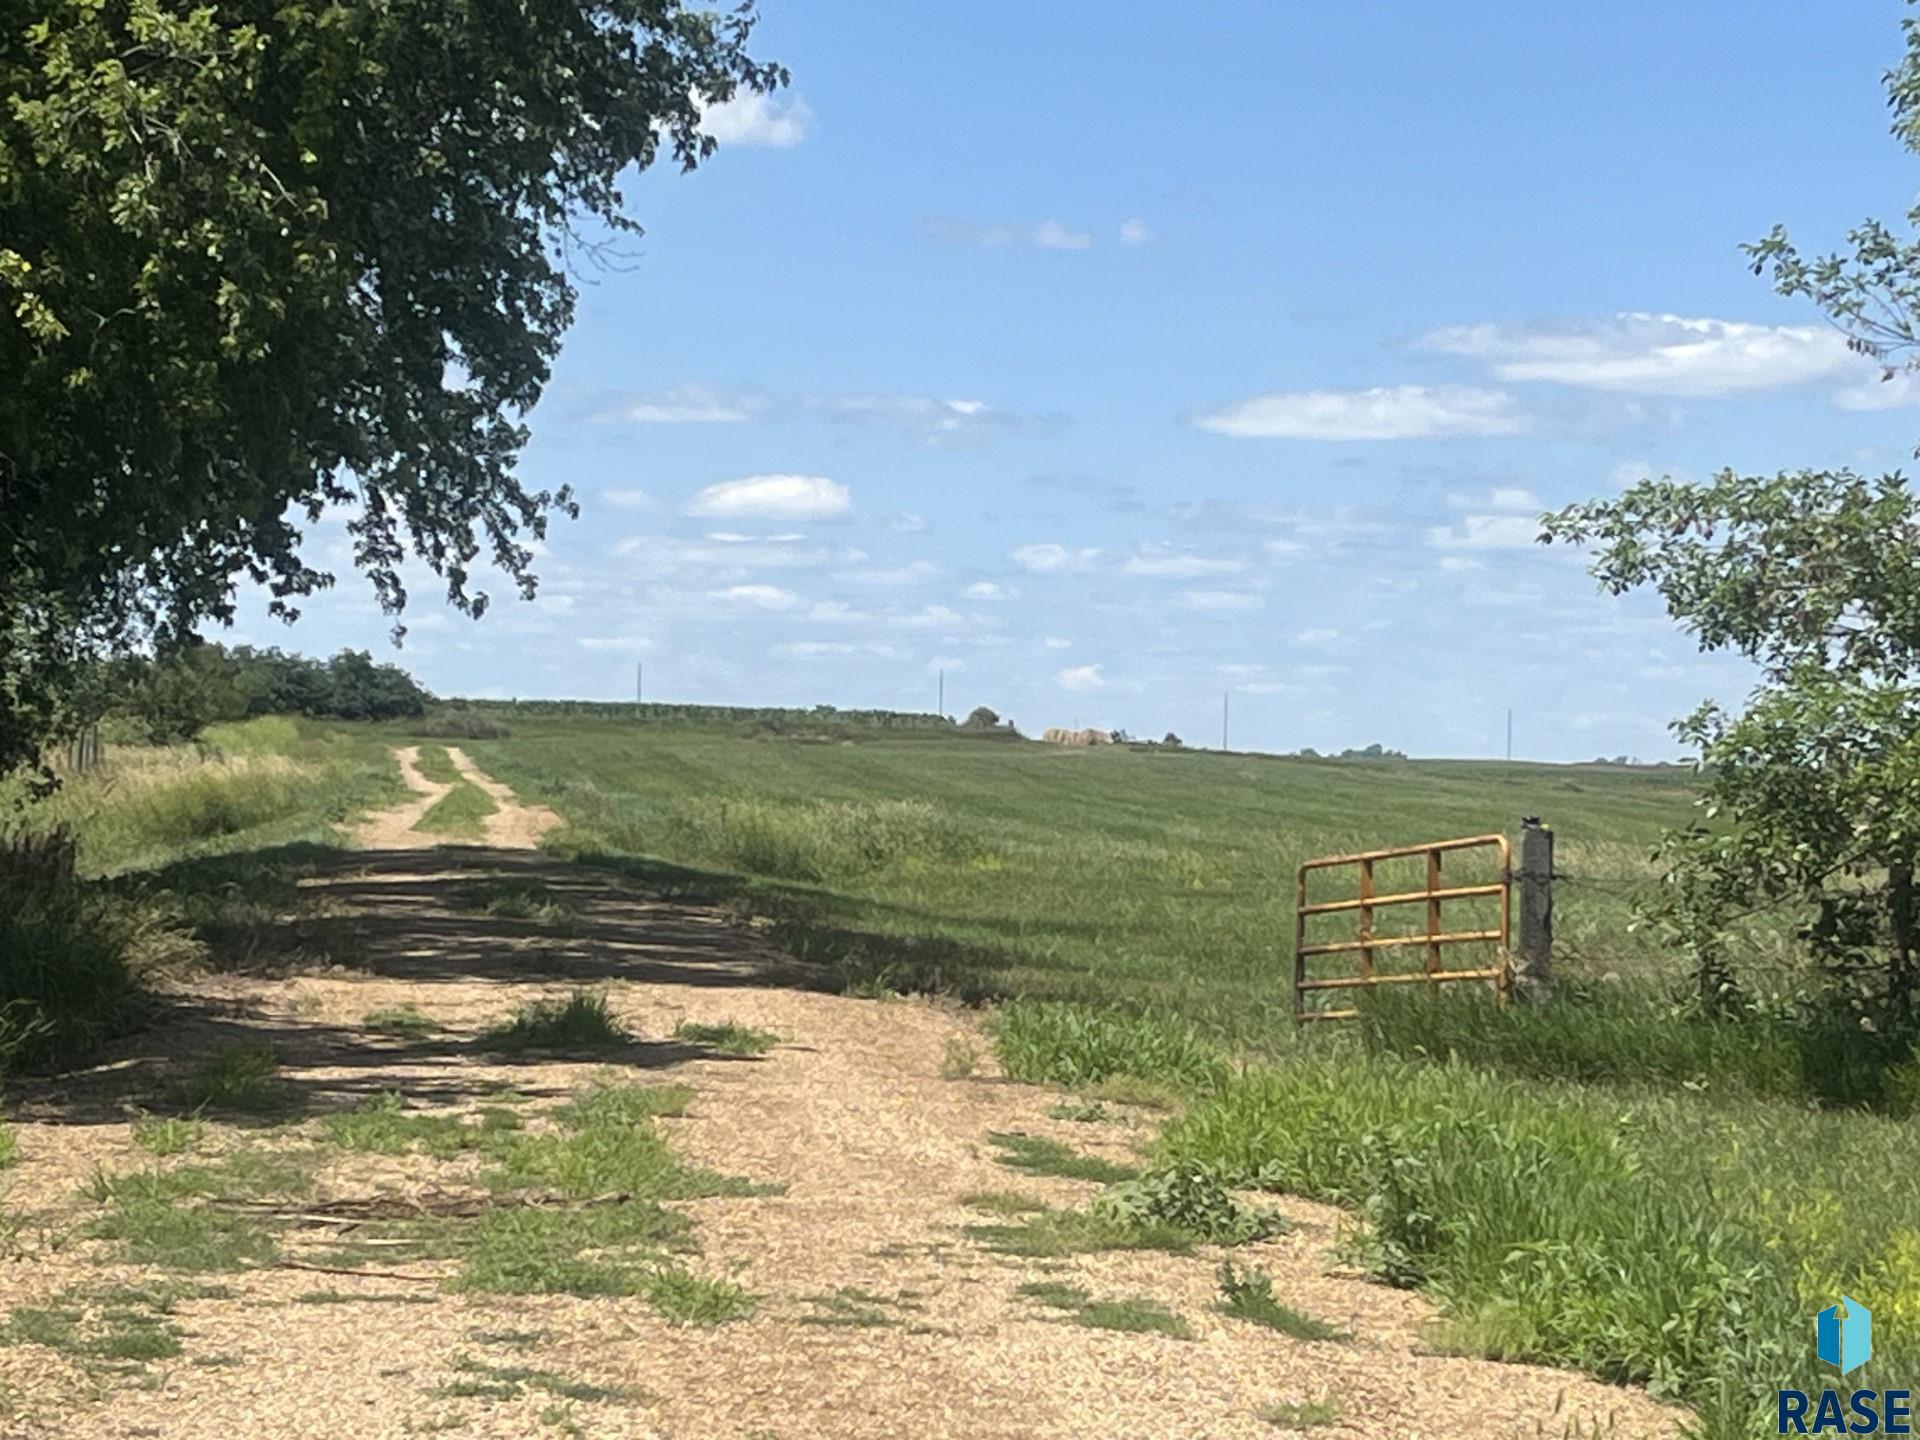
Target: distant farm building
x=1057, y=736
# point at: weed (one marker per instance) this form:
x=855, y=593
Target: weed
x=610, y=1105
x=521, y=900
x=726, y=1037
x=180, y=1237
x=106, y=1331
x=382, y=1126
x=688, y=1299
x=583, y=1022
x=9, y=1146
x=1248, y=1295
x=1003, y=1202
x=482, y=1381
x=961, y=1059
x=407, y=1020
x=513, y=1339
x=168, y=1135
x=1074, y=1232
x=1134, y=1315
x=1191, y=1196
x=240, y=1078
x=850, y=1308
x=1082, y=1112
x=599, y=1250
x=433, y=762
x=1301, y=1415
x=1037, y=1155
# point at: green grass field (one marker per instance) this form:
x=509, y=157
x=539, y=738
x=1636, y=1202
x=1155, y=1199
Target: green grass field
x=1160, y=880
x=1605, y=1182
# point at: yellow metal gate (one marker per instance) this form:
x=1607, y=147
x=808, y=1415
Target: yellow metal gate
x=1366, y=944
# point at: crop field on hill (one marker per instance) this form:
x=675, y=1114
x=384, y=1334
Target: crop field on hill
x=1159, y=879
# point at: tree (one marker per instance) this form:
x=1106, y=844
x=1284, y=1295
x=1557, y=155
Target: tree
x=1814, y=790
x=267, y=258
x=982, y=718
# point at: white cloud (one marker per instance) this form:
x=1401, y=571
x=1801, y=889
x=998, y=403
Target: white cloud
x=934, y=617
x=1162, y=560
x=615, y=642
x=1880, y=392
x=753, y=118
x=628, y=499
x=906, y=522
x=1081, y=677
x=1516, y=499
x=1222, y=600
x=1402, y=412
x=724, y=552
x=1055, y=642
x=935, y=420
x=1459, y=564
x=836, y=612
x=987, y=590
x=1486, y=532
x=774, y=497
x=1317, y=637
x=1135, y=232
x=911, y=573
x=764, y=597
x=1046, y=235
x=685, y=405
x=1052, y=559
x=1649, y=354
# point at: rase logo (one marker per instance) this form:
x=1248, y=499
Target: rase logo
x=1843, y=1338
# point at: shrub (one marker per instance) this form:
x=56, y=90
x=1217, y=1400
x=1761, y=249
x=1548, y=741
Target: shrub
x=1190, y=1195
x=67, y=972
x=462, y=725
x=1045, y=1042
x=583, y=1021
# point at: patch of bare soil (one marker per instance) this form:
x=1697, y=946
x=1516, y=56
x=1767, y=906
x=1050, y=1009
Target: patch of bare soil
x=851, y=1112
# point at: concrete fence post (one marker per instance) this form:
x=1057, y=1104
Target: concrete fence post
x=1533, y=950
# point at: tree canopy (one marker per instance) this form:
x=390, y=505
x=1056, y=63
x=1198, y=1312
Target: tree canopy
x=267, y=258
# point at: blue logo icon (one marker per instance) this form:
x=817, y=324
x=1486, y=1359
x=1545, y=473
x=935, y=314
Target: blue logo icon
x=1843, y=1334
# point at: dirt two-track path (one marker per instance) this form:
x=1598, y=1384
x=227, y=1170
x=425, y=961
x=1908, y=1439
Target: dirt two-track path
x=860, y=1113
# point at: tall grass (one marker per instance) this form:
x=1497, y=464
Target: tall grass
x=1678, y=1242
x=823, y=840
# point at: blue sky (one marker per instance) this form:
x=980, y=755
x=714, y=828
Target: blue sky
x=1110, y=358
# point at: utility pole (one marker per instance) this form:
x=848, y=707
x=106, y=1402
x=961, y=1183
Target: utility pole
x=1509, y=732
x=943, y=692
x=639, y=682
x=1226, y=697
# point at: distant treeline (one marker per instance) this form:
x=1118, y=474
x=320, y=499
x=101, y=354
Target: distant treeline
x=174, y=697
x=667, y=714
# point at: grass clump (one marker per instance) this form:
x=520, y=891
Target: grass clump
x=479, y=1380
x=433, y=762
x=1301, y=1414
x=599, y=1250
x=1054, y=1233
x=581, y=1023
x=688, y=1299
x=959, y=1060
x=1003, y=1202
x=241, y=1078
x=1247, y=1294
x=1616, y=1234
x=70, y=981
x=1047, y=1043
x=382, y=1126
x=404, y=1020
x=162, y=1232
x=166, y=1135
x=821, y=840
x=1135, y=1315
x=114, y=1330
x=521, y=900
x=726, y=1037
x=1037, y=1155
x=9, y=1146
x=610, y=1106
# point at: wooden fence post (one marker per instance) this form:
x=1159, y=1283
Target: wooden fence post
x=1533, y=954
